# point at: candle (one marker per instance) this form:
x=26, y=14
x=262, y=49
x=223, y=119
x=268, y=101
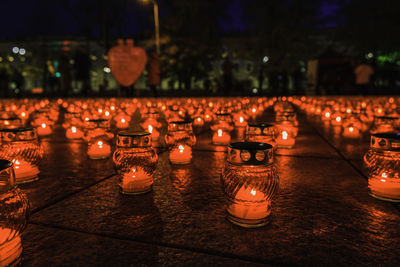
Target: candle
x=74, y=133
x=44, y=130
x=240, y=122
x=198, y=122
x=351, y=132
x=136, y=181
x=337, y=120
x=285, y=140
x=250, y=204
x=154, y=133
x=99, y=150
x=25, y=171
x=180, y=155
x=221, y=138
x=122, y=124
x=385, y=187
x=10, y=250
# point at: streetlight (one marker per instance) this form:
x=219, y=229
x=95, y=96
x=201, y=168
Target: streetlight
x=156, y=23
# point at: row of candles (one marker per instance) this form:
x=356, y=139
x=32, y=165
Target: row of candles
x=249, y=178
x=375, y=118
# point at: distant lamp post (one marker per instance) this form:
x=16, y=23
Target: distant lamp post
x=156, y=23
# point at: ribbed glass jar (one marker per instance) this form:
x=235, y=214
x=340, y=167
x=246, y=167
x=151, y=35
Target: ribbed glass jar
x=180, y=139
x=222, y=128
x=21, y=146
x=249, y=182
x=14, y=209
x=261, y=132
x=383, y=162
x=135, y=161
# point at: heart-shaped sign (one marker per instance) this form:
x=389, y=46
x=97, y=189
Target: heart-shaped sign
x=126, y=62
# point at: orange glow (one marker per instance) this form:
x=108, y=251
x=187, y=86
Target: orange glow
x=181, y=154
x=73, y=129
x=351, y=129
x=241, y=119
x=99, y=150
x=338, y=119
x=150, y=128
x=284, y=135
x=327, y=114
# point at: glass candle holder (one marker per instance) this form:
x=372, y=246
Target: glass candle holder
x=384, y=124
x=261, y=132
x=21, y=146
x=383, y=162
x=14, y=208
x=135, y=161
x=222, y=128
x=180, y=139
x=249, y=181
x=288, y=118
x=98, y=138
x=10, y=123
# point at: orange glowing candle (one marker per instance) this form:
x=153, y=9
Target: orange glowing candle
x=25, y=171
x=221, y=138
x=385, y=187
x=154, y=133
x=73, y=133
x=198, y=122
x=122, y=124
x=180, y=155
x=351, y=132
x=250, y=204
x=285, y=140
x=44, y=130
x=136, y=181
x=99, y=150
x=241, y=122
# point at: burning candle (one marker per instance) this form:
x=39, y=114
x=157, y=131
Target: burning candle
x=180, y=155
x=384, y=187
x=44, y=130
x=198, y=122
x=136, y=181
x=74, y=133
x=351, y=132
x=122, y=124
x=249, y=181
x=221, y=137
x=250, y=205
x=99, y=150
x=240, y=122
x=382, y=160
x=154, y=133
x=25, y=171
x=135, y=161
x=285, y=138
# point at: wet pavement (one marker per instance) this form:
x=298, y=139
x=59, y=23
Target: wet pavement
x=322, y=216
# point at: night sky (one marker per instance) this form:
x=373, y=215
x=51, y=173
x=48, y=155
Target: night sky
x=29, y=19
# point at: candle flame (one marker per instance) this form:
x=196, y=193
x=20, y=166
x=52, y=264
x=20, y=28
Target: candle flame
x=348, y=110
x=384, y=175
x=23, y=114
x=6, y=123
x=254, y=110
x=123, y=120
x=327, y=114
x=16, y=163
x=100, y=144
x=199, y=119
x=112, y=108
x=338, y=119
x=351, y=129
x=43, y=125
x=100, y=110
x=86, y=119
x=133, y=173
x=253, y=192
x=150, y=129
x=181, y=148
x=107, y=113
x=241, y=119
x=219, y=132
x=73, y=129
x=284, y=135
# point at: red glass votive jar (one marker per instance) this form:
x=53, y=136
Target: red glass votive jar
x=14, y=207
x=261, y=132
x=22, y=148
x=180, y=139
x=383, y=162
x=249, y=181
x=98, y=137
x=135, y=161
